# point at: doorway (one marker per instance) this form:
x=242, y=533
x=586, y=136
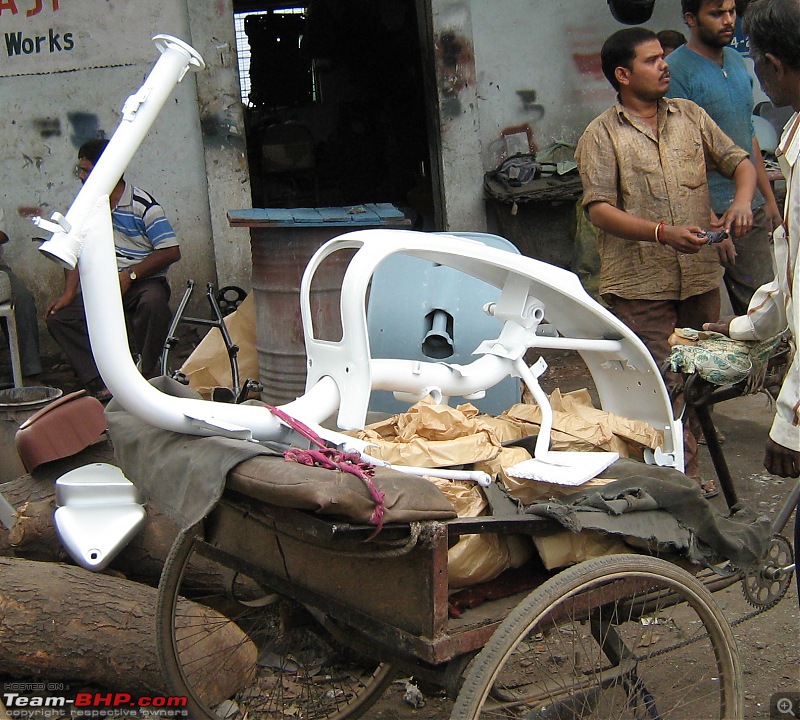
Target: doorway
x=334, y=103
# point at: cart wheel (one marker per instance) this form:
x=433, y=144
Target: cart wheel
x=622, y=636
x=237, y=650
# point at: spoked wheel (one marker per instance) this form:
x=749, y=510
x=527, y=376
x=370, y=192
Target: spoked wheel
x=623, y=636
x=238, y=650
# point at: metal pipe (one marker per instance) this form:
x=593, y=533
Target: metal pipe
x=138, y=114
x=84, y=237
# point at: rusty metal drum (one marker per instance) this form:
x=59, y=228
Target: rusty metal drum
x=282, y=242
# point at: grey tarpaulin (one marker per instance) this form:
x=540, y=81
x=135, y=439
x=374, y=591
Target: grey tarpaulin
x=662, y=507
x=183, y=475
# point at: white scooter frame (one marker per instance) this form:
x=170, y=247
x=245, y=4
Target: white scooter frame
x=342, y=374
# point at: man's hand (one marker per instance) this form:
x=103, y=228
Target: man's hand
x=738, y=219
x=726, y=249
x=56, y=305
x=773, y=214
x=685, y=239
x=124, y=281
x=723, y=327
x=726, y=252
x=781, y=461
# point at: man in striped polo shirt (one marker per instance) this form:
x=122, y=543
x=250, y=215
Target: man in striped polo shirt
x=145, y=246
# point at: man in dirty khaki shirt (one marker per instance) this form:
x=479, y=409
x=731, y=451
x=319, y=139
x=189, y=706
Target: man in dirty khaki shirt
x=643, y=164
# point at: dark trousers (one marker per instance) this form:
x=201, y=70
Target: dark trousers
x=797, y=546
x=753, y=266
x=653, y=321
x=147, y=316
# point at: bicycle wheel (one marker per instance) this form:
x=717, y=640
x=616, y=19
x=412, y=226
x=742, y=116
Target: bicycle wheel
x=236, y=650
x=622, y=636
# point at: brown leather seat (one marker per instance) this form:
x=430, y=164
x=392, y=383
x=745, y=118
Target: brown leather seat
x=61, y=429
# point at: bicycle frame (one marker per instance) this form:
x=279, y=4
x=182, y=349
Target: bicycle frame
x=342, y=374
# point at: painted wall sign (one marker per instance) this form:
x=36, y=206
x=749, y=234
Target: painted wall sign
x=47, y=36
x=34, y=8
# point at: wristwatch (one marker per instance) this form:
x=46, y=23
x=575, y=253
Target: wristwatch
x=132, y=274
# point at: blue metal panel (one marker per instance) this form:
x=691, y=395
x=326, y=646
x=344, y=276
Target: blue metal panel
x=419, y=310
x=370, y=214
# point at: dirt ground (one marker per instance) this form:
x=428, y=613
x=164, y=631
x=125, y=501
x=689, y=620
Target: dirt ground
x=769, y=644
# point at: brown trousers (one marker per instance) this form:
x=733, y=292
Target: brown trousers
x=653, y=322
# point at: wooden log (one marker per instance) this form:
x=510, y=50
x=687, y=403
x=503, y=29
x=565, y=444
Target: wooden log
x=34, y=536
x=60, y=622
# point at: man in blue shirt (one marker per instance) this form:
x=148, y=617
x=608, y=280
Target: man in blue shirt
x=146, y=246
x=712, y=74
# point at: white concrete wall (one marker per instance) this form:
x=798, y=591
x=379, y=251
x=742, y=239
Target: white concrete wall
x=546, y=47
x=67, y=70
x=460, y=169
x=224, y=176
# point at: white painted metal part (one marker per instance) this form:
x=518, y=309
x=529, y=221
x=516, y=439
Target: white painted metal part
x=98, y=512
x=341, y=374
x=628, y=381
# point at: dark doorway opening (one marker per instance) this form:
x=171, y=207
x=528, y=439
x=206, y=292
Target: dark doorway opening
x=335, y=108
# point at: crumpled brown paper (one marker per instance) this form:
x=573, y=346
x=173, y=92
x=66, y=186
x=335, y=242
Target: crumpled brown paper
x=429, y=435
x=208, y=366
x=474, y=558
x=569, y=548
x=560, y=549
x=578, y=425
x=528, y=491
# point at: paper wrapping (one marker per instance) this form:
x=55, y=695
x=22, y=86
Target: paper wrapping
x=578, y=425
x=430, y=435
x=569, y=548
x=474, y=558
x=528, y=491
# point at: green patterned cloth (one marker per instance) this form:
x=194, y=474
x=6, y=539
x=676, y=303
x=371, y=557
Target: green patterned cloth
x=722, y=361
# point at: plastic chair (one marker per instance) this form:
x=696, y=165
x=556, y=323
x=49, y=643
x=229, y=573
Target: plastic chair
x=7, y=312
